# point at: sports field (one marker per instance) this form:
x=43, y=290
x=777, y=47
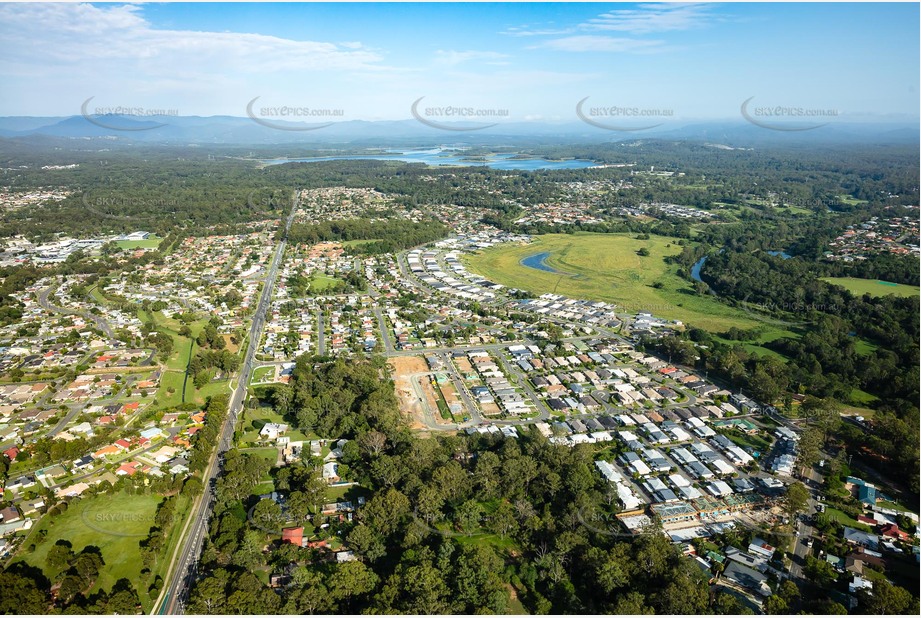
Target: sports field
x=872, y=286
x=149, y=243
x=608, y=267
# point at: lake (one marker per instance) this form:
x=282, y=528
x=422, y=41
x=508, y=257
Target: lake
x=452, y=157
x=537, y=261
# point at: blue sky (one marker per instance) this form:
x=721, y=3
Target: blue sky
x=535, y=60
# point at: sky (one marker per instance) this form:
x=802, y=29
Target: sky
x=525, y=61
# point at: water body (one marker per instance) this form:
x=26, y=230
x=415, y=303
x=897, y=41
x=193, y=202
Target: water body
x=537, y=261
x=782, y=254
x=452, y=157
x=695, y=269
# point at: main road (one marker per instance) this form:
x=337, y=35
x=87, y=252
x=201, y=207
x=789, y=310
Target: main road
x=183, y=566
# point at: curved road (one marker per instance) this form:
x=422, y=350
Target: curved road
x=86, y=315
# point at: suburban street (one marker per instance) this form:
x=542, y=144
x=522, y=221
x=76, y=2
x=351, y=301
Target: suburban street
x=813, y=481
x=100, y=323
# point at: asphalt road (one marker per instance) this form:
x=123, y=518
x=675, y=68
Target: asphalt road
x=86, y=315
x=385, y=334
x=813, y=481
x=321, y=334
x=183, y=568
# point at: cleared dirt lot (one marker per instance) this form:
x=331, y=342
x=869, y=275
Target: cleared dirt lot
x=403, y=368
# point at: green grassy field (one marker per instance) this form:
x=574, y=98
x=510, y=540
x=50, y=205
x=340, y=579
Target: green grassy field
x=319, y=283
x=606, y=267
x=151, y=243
x=113, y=523
x=263, y=374
x=850, y=201
x=269, y=453
x=862, y=397
x=175, y=375
x=358, y=243
x=873, y=287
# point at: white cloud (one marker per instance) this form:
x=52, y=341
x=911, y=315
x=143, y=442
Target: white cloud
x=60, y=54
x=648, y=18
x=644, y=19
x=597, y=43
x=117, y=39
x=527, y=31
x=454, y=58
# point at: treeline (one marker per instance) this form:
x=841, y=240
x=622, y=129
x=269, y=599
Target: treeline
x=676, y=228
x=205, y=361
x=827, y=350
x=812, y=176
x=381, y=236
x=207, y=437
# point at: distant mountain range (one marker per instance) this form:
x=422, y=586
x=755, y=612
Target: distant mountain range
x=227, y=130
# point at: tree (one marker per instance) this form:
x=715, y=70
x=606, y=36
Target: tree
x=20, y=594
x=477, y=583
x=373, y=442
x=351, y=579
x=503, y=521
x=775, y=605
x=60, y=555
x=452, y=480
x=267, y=515
x=796, y=499
x=554, y=332
x=685, y=593
x=809, y=447
x=727, y=604
x=123, y=600
x=429, y=503
x=309, y=594
x=630, y=603
x=249, y=554
x=888, y=599
x=88, y=563
x=424, y=590
x=820, y=571
x=366, y=542
x=612, y=568
x=468, y=516
x=385, y=511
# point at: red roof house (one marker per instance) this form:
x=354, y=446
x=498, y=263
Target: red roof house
x=295, y=536
x=892, y=531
